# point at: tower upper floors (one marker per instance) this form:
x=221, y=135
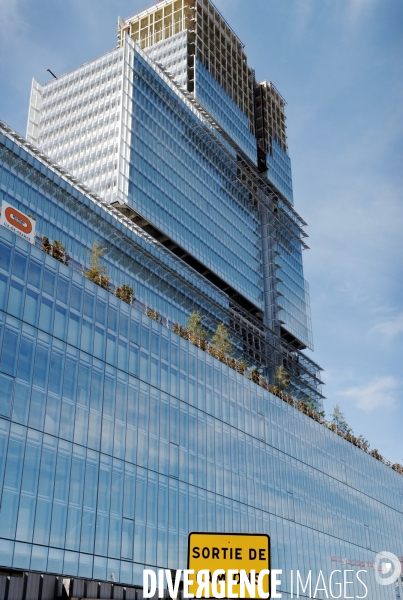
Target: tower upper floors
x=189, y=165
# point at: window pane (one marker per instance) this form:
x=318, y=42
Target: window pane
x=6, y=391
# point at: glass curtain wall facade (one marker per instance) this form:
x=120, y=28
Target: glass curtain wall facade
x=166, y=164
x=156, y=146
x=252, y=116
x=118, y=437
x=75, y=120
x=77, y=217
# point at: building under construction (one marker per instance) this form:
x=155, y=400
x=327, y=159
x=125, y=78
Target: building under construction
x=92, y=123
x=156, y=182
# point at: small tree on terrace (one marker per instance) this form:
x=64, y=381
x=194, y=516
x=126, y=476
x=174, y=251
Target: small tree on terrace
x=59, y=252
x=47, y=246
x=221, y=342
x=195, y=327
x=281, y=378
x=241, y=366
x=340, y=422
x=97, y=271
x=254, y=375
x=125, y=293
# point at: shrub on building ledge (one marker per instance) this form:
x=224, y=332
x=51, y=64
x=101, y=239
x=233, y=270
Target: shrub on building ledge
x=197, y=333
x=97, y=271
x=154, y=314
x=180, y=330
x=57, y=250
x=241, y=367
x=125, y=293
x=254, y=375
x=46, y=245
x=221, y=345
x=281, y=378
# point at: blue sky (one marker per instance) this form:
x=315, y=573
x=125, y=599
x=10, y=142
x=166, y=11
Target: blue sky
x=339, y=65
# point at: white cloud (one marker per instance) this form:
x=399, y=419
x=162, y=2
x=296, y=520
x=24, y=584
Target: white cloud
x=302, y=15
x=380, y=393
x=356, y=9
x=390, y=328
x=10, y=18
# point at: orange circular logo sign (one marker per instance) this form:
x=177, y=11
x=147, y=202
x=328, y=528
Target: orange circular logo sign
x=17, y=219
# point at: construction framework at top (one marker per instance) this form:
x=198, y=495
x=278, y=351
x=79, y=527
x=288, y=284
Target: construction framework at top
x=210, y=39
x=213, y=42
x=270, y=117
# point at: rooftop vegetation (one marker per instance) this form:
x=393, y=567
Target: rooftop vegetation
x=220, y=347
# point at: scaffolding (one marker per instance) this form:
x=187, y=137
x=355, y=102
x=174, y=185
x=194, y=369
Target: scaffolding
x=270, y=116
x=210, y=40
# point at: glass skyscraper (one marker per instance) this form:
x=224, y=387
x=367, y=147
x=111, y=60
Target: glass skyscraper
x=118, y=435
x=176, y=153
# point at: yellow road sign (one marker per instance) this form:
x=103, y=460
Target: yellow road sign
x=235, y=556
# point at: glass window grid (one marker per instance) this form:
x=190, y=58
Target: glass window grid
x=294, y=303
x=72, y=220
x=364, y=473
x=279, y=170
x=161, y=183
x=74, y=214
x=172, y=54
x=205, y=438
x=73, y=120
x=224, y=111
x=197, y=226
x=151, y=122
